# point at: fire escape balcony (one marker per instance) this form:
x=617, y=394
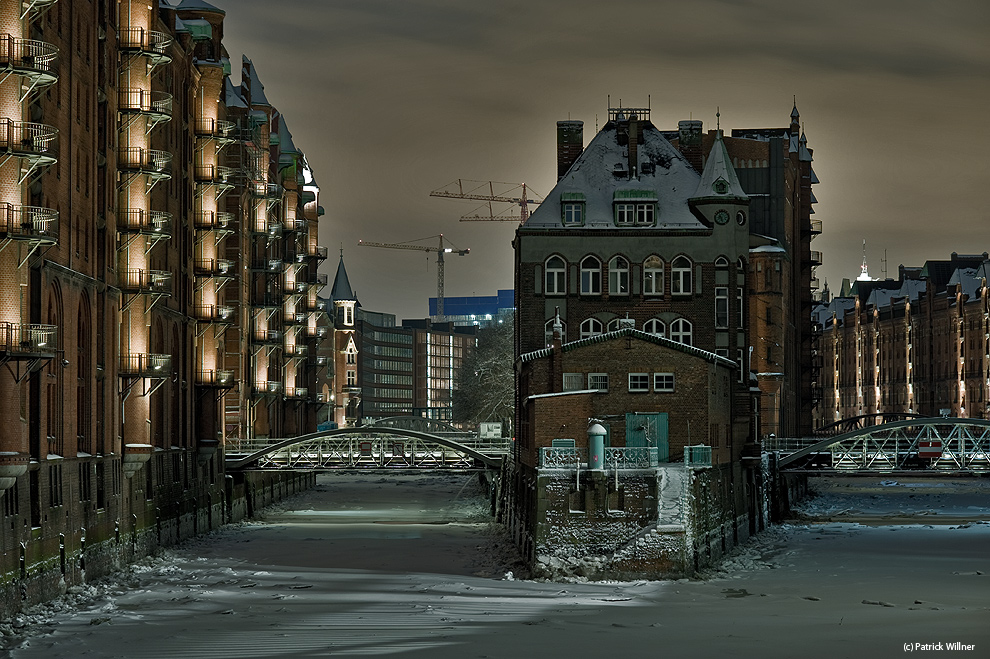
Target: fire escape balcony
x=299, y=350
x=267, y=337
x=296, y=287
x=156, y=106
x=219, y=268
x=145, y=43
x=267, y=266
x=317, y=331
x=35, y=144
x=22, y=342
x=214, y=176
x=295, y=318
x=318, y=279
x=29, y=223
x=295, y=224
x=816, y=258
x=146, y=223
x=215, y=379
x=224, y=132
x=297, y=393
x=318, y=253
x=214, y=221
x=136, y=161
x=261, y=190
x=270, y=228
x=316, y=305
x=146, y=282
x=319, y=361
x=815, y=228
x=267, y=388
x=223, y=314
x=36, y=62
x=145, y=365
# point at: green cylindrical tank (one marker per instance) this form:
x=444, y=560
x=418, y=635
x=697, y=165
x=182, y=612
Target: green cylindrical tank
x=596, y=446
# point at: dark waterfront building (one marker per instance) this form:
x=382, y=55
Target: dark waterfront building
x=158, y=295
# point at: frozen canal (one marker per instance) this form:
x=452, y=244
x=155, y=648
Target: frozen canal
x=407, y=566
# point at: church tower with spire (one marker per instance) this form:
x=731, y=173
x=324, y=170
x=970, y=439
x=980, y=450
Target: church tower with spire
x=346, y=399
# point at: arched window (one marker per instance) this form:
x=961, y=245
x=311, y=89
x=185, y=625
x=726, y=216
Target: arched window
x=613, y=325
x=591, y=327
x=591, y=276
x=618, y=276
x=653, y=276
x=682, y=331
x=556, y=276
x=655, y=326
x=548, y=331
x=721, y=263
x=680, y=276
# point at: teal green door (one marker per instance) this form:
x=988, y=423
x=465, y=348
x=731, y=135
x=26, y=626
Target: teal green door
x=648, y=429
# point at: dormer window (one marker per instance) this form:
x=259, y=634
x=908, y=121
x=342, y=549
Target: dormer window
x=572, y=208
x=720, y=186
x=635, y=207
x=624, y=214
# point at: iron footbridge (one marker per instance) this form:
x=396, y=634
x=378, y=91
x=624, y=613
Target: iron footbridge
x=368, y=447
x=932, y=445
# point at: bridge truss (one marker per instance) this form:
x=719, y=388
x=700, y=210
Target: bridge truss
x=368, y=447
x=933, y=444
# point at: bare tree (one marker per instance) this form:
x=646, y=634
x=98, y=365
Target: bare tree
x=485, y=385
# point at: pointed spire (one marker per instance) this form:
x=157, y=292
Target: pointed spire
x=803, y=153
x=341, y=285
x=794, y=147
x=719, y=177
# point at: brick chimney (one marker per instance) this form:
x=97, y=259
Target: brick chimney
x=633, y=146
x=570, y=144
x=689, y=142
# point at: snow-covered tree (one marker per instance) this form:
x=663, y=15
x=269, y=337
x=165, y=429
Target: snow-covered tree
x=485, y=385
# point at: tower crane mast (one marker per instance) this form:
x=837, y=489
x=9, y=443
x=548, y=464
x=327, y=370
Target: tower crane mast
x=440, y=249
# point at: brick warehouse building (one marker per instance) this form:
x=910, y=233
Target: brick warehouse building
x=129, y=335
x=916, y=344
x=634, y=260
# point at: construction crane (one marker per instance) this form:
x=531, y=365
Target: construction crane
x=486, y=191
x=439, y=249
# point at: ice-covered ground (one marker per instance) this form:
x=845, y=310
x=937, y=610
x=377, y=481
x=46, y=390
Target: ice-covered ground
x=373, y=565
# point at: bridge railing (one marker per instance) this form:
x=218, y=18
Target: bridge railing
x=621, y=457
x=788, y=444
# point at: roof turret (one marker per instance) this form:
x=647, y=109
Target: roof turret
x=719, y=180
x=341, y=290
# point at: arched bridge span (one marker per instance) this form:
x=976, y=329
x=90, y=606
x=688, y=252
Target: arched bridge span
x=371, y=446
x=941, y=444
x=863, y=421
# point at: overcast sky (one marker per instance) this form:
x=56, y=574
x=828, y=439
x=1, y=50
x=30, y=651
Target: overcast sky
x=391, y=99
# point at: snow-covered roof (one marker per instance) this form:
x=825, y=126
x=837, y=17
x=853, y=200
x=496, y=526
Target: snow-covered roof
x=630, y=332
x=256, y=90
x=565, y=393
x=719, y=180
x=285, y=137
x=341, y=285
x=667, y=176
x=199, y=5
x=232, y=97
x=180, y=26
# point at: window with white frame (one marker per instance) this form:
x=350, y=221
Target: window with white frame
x=598, y=381
x=682, y=331
x=556, y=276
x=680, y=276
x=591, y=276
x=645, y=213
x=548, y=331
x=351, y=378
x=639, y=382
x=573, y=381
x=653, y=276
x=625, y=214
x=721, y=307
x=348, y=313
x=655, y=327
x=663, y=382
x=591, y=327
x=741, y=363
x=613, y=325
x=739, y=308
x=618, y=276
x=572, y=212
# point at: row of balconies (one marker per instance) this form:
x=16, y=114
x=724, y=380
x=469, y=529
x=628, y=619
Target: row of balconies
x=28, y=340
x=276, y=388
x=35, y=61
x=29, y=140
x=31, y=223
x=275, y=337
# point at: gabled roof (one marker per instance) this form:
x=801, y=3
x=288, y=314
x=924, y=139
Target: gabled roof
x=341, y=286
x=636, y=334
x=719, y=168
x=255, y=90
x=667, y=177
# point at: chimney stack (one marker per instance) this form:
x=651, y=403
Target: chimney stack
x=570, y=144
x=689, y=142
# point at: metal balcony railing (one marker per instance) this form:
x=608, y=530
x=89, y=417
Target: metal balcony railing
x=263, y=190
x=267, y=388
x=149, y=43
x=816, y=257
x=296, y=349
x=214, y=174
x=319, y=397
x=298, y=287
x=319, y=253
x=149, y=282
x=30, y=58
x=214, y=221
x=218, y=128
x=214, y=378
x=29, y=223
x=145, y=222
x=316, y=305
x=25, y=340
x=815, y=228
x=296, y=392
x=295, y=318
x=317, y=332
x=267, y=337
x=156, y=104
x=318, y=279
x=215, y=313
x=214, y=268
x=266, y=265
x=318, y=360
x=147, y=161
x=145, y=365
x=28, y=139
x=293, y=224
